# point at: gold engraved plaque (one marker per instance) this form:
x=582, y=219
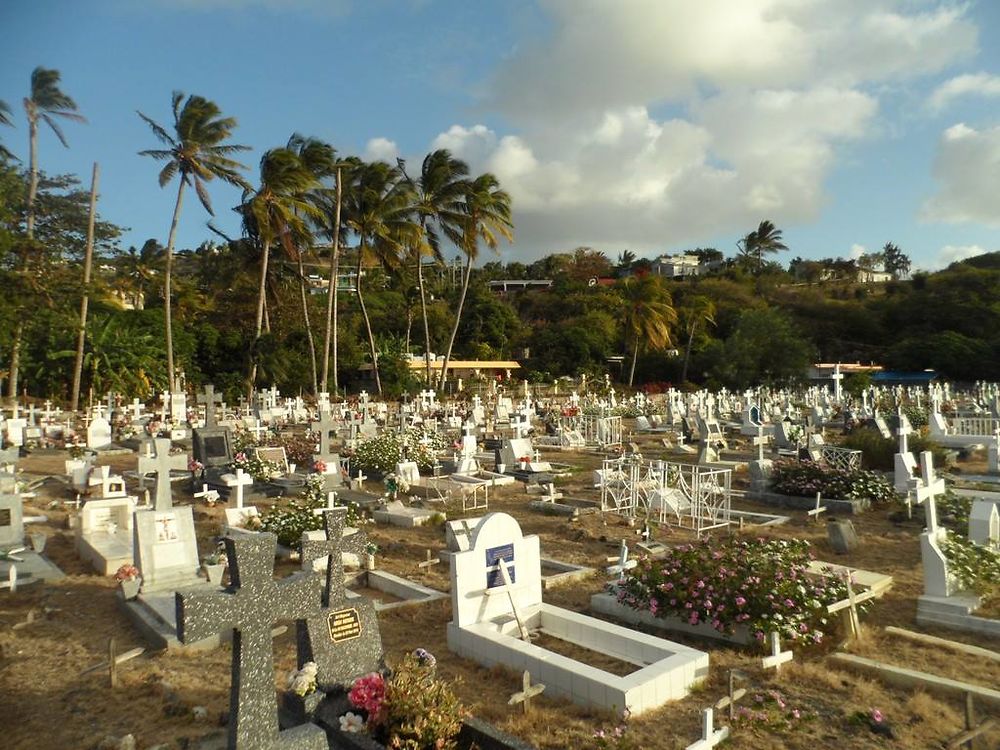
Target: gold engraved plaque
x=345, y=624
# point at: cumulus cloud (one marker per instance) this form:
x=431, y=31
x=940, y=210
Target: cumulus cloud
x=650, y=123
x=381, y=149
x=604, y=55
x=953, y=253
x=980, y=84
x=967, y=170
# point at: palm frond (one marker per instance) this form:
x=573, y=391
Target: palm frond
x=167, y=173
x=56, y=129
x=157, y=129
x=199, y=186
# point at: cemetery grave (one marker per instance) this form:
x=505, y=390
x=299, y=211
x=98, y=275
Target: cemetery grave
x=79, y=614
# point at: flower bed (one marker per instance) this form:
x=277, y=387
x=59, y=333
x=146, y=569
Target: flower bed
x=379, y=455
x=760, y=584
x=289, y=521
x=806, y=478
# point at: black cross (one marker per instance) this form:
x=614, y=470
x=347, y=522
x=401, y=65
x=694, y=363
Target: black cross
x=249, y=607
x=332, y=547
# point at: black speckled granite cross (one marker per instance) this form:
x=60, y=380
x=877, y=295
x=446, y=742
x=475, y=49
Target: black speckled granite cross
x=332, y=547
x=250, y=606
x=342, y=637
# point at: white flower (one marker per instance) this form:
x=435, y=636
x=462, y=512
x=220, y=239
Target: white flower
x=351, y=722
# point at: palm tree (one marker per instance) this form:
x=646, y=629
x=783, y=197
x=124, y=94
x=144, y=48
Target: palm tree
x=649, y=314
x=380, y=211
x=276, y=212
x=487, y=215
x=46, y=102
x=5, y=120
x=320, y=159
x=766, y=238
x=695, y=311
x=197, y=152
x=439, y=198
x=136, y=269
x=895, y=261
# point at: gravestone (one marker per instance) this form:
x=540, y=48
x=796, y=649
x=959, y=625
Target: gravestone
x=165, y=548
x=99, y=433
x=11, y=522
x=178, y=408
x=984, y=523
x=841, y=535
x=213, y=446
x=342, y=636
x=105, y=533
x=250, y=607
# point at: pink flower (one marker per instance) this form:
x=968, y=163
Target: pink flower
x=368, y=693
x=740, y=601
x=877, y=716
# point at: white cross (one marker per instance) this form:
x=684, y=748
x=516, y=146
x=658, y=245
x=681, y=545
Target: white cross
x=623, y=564
x=239, y=482
x=710, y=737
x=760, y=441
x=211, y=496
x=777, y=657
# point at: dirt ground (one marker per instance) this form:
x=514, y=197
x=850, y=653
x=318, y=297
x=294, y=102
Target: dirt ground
x=47, y=703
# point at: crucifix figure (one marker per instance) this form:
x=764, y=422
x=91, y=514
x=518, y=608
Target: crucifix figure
x=210, y=399
x=342, y=637
x=250, y=607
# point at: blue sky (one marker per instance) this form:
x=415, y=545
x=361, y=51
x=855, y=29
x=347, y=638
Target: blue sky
x=652, y=125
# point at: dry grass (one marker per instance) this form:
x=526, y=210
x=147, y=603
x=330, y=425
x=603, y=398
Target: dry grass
x=46, y=703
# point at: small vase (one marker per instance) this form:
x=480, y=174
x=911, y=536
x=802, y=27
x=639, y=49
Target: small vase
x=214, y=573
x=501, y=468
x=369, y=562
x=130, y=587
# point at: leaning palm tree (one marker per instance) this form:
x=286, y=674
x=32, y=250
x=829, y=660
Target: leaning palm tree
x=197, y=152
x=320, y=159
x=47, y=103
x=649, y=313
x=486, y=217
x=380, y=212
x=439, y=195
x=696, y=311
x=276, y=212
x=766, y=238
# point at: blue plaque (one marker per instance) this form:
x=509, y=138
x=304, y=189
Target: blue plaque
x=494, y=577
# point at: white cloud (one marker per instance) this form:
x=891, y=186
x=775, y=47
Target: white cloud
x=967, y=169
x=381, y=149
x=857, y=251
x=981, y=84
x=604, y=55
x=953, y=253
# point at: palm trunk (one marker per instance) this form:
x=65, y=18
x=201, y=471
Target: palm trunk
x=261, y=291
x=368, y=323
x=409, y=328
x=635, y=356
x=15, y=350
x=167, y=315
x=687, y=355
x=423, y=312
x=308, y=324
x=87, y=262
x=458, y=319
x=331, y=298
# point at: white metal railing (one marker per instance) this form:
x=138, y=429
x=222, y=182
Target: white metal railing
x=840, y=458
x=982, y=426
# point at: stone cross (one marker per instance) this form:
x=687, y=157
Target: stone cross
x=164, y=405
x=324, y=427
x=160, y=462
x=836, y=378
x=241, y=480
x=210, y=399
x=136, y=409
x=341, y=636
x=903, y=430
x=333, y=548
x=930, y=503
x=760, y=441
x=249, y=607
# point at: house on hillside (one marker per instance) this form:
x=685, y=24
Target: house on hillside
x=682, y=266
